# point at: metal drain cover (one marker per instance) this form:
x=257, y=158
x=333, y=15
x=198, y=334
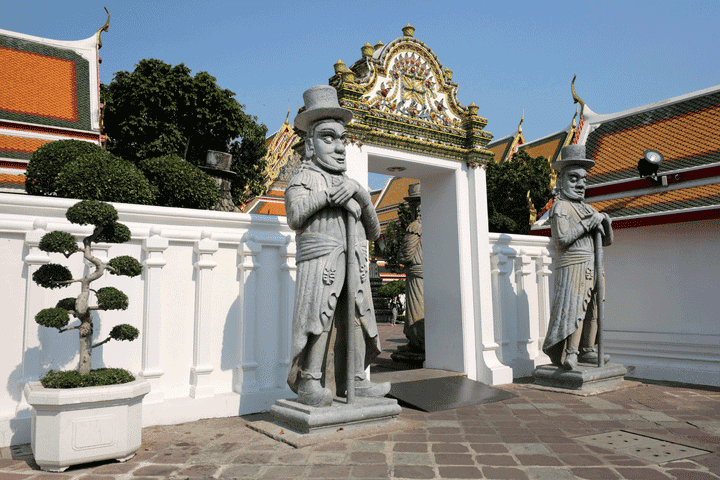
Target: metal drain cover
x=646, y=448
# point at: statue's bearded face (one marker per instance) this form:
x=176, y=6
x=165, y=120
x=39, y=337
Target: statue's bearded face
x=326, y=147
x=574, y=181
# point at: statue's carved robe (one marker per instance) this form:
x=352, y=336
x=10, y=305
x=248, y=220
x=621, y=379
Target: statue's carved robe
x=575, y=292
x=414, y=289
x=321, y=263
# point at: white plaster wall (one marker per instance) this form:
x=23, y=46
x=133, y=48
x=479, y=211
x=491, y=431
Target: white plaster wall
x=214, y=303
x=521, y=296
x=663, y=301
x=213, y=306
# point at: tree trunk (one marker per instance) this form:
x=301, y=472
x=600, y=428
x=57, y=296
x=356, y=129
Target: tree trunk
x=85, y=347
x=85, y=331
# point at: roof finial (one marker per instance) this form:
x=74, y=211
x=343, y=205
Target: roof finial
x=577, y=110
x=287, y=117
x=576, y=98
x=521, y=120
x=104, y=28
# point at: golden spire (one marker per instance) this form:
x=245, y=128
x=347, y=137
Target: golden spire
x=521, y=120
x=576, y=98
x=104, y=28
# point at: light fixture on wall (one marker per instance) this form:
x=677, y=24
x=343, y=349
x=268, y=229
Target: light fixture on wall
x=649, y=165
x=396, y=169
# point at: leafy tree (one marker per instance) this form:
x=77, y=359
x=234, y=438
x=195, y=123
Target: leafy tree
x=49, y=160
x=102, y=176
x=512, y=187
x=160, y=109
x=392, y=289
x=176, y=183
x=104, y=218
x=394, y=236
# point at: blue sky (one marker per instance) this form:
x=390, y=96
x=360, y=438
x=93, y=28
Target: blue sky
x=505, y=56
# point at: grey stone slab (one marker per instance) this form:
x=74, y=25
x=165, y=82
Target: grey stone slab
x=446, y=393
x=548, y=406
x=586, y=378
x=528, y=448
x=340, y=416
x=549, y=473
x=710, y=426
x=600, y=403
x=654, y=416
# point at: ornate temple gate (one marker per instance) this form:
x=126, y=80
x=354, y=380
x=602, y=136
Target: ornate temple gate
x=407, y=121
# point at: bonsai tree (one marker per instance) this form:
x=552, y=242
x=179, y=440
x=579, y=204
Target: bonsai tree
x=107, y=229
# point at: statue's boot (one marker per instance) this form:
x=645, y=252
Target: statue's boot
x=571, y=359
x=312, y=393
x=363, y=386
x=366, y=388
x=590, y=355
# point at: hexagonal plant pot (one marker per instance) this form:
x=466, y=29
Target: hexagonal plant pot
x=79, y=425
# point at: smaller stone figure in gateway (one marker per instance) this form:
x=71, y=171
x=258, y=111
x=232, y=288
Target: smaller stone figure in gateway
x=413, y=258
x=573, y=327
x=317, y=200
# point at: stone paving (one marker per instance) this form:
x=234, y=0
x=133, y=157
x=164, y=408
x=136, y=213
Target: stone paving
x=537, y=435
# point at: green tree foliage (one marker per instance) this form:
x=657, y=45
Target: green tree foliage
x=91, y=212
x=125, y=265
x=49, y=160
x=511, y=187
x=53, y=317
x=103, y=176
x=52, y=275
x=394, y=236
x=392, y=289
x=160, y=109
x=96, y=378
x=103, y=217
x=59, y=242
x=177, y=183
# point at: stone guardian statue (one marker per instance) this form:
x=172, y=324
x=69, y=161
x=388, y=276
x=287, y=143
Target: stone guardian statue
x=414, y=328
x=317, y=200
x=573, y=327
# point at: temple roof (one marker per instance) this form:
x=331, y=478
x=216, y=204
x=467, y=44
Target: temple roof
x=282, y=159
x=391, y=195
x=49, y=90
x=685, y=130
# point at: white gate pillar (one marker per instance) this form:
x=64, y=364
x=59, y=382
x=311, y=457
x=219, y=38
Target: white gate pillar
x=489, y=368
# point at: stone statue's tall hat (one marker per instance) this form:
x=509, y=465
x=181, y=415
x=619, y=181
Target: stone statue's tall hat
x=573, y=155
x=321, y=102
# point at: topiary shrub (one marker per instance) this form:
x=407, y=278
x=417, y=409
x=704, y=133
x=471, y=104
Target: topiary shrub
x=49, y=160
x=103, y=176
x=103, y=217
x=178, y=183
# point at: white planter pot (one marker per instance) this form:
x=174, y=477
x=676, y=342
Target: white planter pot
x=80, y=425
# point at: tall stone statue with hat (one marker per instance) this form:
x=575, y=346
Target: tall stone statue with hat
x=579, y=283
x=332, y=215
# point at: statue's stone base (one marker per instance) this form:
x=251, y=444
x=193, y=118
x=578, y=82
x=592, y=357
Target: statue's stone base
x=587, y=378
x=365, y=411
x=410, y=357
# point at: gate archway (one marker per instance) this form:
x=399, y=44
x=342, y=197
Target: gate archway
x=407, y=117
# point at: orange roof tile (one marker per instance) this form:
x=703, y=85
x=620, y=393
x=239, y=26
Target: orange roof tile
x=12, y=179
x=396, y=192
x=681, y=199
x=52, y=93
x=548, y=147
x=10, y=143
x=271, y=208
x=686, y=133
x=500, y=148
